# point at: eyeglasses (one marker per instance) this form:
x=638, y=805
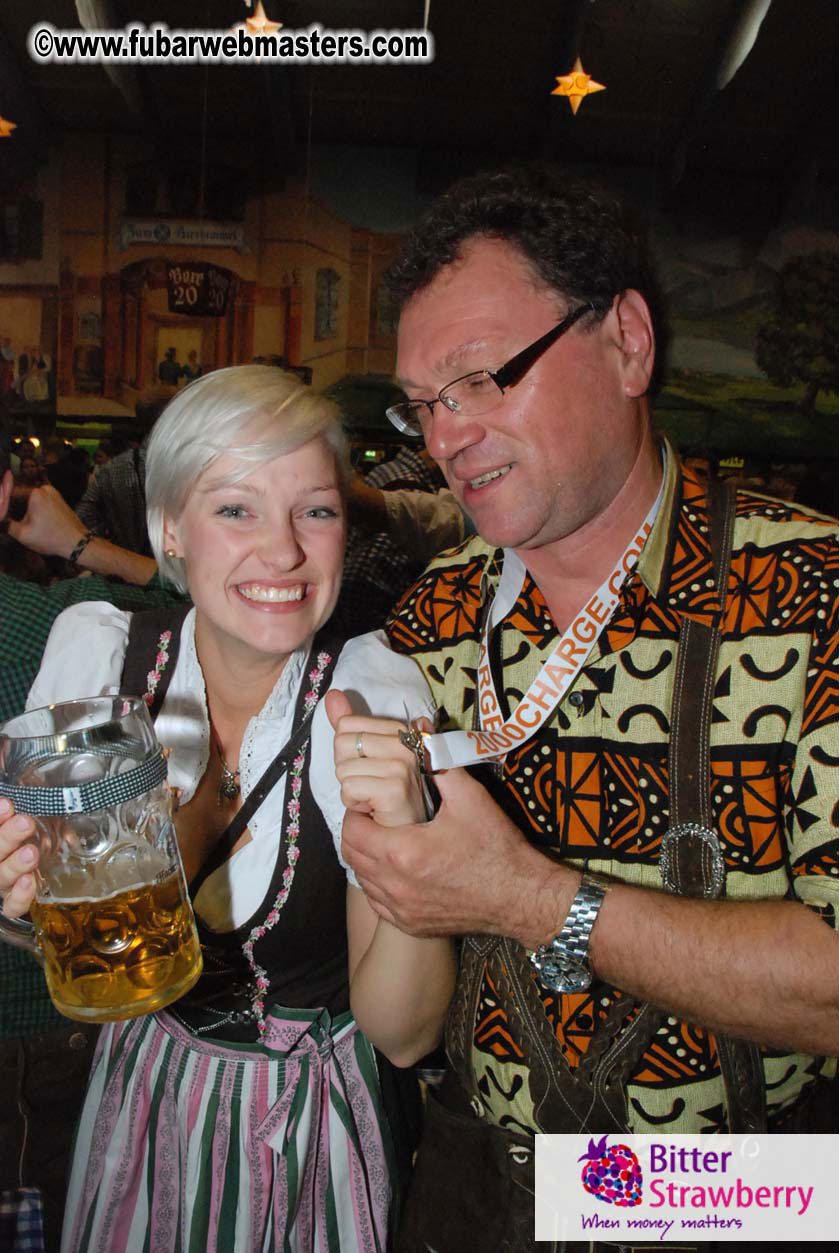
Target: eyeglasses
x=481, y=391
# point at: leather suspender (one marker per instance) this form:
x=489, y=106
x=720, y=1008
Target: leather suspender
x=691, y=862
x=144, y=633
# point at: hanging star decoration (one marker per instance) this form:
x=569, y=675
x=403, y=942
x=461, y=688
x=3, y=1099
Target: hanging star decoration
x=576, y=85
x=259, y=24
x=6, y=127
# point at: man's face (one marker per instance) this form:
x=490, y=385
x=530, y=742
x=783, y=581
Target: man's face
x=29, y=472
x=562, y=441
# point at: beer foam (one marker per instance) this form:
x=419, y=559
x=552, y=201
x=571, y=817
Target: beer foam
x=85, y=883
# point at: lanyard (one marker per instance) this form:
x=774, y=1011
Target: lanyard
x=497, y=736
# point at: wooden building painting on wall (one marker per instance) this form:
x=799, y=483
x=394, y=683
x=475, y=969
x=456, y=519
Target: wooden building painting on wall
x=97, y=311
x=28, y=313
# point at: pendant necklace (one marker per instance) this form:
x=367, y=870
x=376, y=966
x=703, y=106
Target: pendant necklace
x=228, y=788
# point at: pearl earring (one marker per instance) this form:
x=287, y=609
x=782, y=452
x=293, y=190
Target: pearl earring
x=170, y=552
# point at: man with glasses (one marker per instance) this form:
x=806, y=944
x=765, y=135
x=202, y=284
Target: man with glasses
x=637, y=835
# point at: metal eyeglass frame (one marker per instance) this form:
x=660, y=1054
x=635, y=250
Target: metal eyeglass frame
x=505, y=376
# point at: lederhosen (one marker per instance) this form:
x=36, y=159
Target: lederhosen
x=473, y=1186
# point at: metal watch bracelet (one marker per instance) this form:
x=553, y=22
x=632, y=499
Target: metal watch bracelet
x=562, y=965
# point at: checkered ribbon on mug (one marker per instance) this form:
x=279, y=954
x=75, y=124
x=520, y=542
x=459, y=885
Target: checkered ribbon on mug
x=87, y=798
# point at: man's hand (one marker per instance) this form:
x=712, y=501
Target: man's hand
x=49, y=525
x=468, y=870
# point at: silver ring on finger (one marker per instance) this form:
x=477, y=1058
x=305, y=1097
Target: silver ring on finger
x=359, y=744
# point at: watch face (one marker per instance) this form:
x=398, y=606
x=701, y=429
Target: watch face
x=565, y=977
x=575, y=979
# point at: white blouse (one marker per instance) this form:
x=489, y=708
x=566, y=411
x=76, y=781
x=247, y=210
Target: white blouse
x=84, y=657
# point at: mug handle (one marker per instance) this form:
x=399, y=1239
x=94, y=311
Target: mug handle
x=21, y=934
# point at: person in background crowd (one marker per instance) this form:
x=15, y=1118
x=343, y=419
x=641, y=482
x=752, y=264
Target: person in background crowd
x=29, y=474
x=657, y=728
x=102, y=455
x=22, y=448
x=69, y=474
x=423, y=523
x=54, y=448
x=380, y=565
x=120, y=442
x=114, y=504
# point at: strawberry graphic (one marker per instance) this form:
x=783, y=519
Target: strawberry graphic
x=612, y=1173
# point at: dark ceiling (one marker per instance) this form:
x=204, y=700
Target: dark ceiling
x=486, y=97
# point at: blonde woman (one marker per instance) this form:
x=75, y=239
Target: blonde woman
x=249, y=1116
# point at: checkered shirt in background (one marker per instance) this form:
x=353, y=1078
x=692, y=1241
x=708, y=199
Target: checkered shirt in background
x=21, y=1221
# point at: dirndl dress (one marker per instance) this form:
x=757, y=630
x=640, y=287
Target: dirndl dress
x=247, y=1117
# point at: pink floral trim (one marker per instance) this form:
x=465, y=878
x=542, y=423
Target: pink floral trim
x=160, y=663
x=260, y=976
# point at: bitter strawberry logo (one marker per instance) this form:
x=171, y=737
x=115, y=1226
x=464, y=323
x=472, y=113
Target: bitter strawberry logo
x=612, y=1173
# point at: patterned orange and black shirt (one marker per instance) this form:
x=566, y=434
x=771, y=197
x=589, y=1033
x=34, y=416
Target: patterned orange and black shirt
x=592, y=786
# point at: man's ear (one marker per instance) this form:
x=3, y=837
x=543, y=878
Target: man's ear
x=6, y=485
x=637, y=341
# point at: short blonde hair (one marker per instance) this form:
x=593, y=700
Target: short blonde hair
x=254, y=413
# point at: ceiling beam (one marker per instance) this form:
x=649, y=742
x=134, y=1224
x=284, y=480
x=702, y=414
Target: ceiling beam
x=736, y=42
x=101, y=15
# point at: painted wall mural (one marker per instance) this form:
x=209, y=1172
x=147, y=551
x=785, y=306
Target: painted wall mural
x=753, y=363
x=28, y=328
x=752, y=368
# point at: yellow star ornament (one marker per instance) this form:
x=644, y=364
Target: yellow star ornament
x=6, y=127
x=259, y=23
x=576, y=85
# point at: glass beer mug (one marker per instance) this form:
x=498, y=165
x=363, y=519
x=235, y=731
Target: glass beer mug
x=113, y=926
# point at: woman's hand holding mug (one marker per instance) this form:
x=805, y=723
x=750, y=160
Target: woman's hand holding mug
x=17, y=860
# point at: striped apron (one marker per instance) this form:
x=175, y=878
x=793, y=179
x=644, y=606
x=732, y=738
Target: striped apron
x=188, y=1144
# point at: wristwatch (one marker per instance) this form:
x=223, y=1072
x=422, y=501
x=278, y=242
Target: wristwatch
x=562, y=965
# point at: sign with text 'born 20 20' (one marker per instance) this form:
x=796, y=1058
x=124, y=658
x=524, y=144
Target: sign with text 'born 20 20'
x=198, y=288
x=646, y=1188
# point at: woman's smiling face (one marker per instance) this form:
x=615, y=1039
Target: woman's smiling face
x=264, y=555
